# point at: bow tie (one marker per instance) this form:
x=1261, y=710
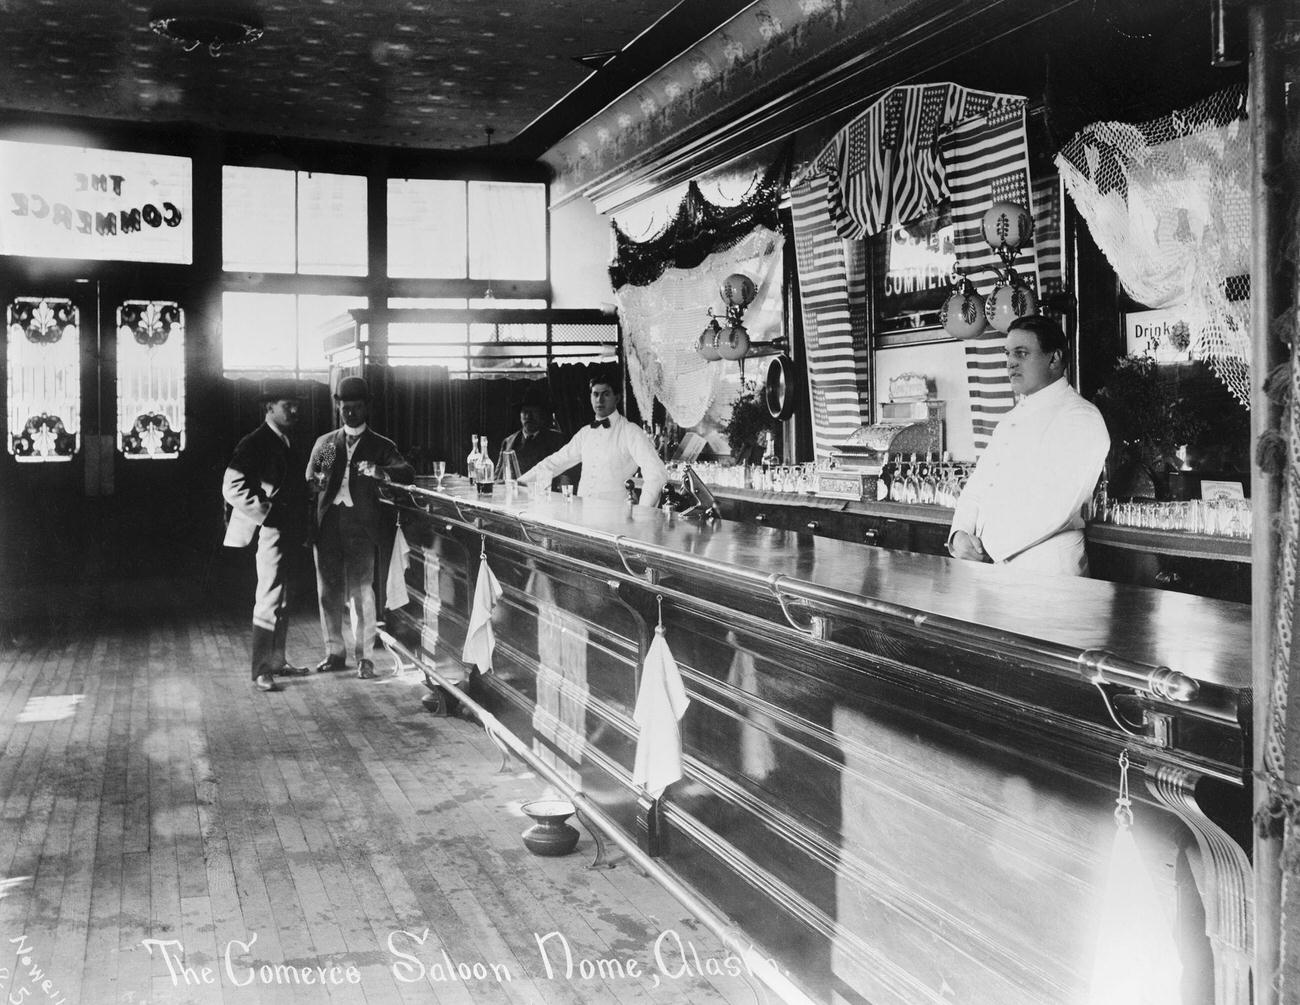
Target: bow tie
x=600, y=424
x=352, y=440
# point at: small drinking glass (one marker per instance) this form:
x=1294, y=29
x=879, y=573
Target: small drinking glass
x=567, y=490
x=439, y=472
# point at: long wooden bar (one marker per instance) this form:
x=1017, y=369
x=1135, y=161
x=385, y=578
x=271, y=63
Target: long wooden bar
x=1194, y=563
x=901, y=770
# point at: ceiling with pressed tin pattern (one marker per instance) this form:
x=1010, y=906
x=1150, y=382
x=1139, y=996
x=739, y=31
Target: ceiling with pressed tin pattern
x=426, y=74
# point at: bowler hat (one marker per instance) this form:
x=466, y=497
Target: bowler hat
x=279, y=389
x=536, y=396
x=352, y=389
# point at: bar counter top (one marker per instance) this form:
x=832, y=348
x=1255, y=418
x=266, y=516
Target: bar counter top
x=1206, y=639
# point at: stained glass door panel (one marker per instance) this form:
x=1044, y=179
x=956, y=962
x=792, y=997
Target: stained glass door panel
x=150, y=379
x=44, y=379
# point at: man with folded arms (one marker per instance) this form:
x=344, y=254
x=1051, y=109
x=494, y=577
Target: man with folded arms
x=1022, y=507
x=352, y=525
x=267, y=501
x=610, y=450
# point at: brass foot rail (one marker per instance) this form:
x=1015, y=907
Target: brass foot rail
x=731, y=935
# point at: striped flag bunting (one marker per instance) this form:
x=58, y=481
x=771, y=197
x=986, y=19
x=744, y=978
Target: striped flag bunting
x=885, y=168
x=986, y=160
x=834, y=318
x=914, y=147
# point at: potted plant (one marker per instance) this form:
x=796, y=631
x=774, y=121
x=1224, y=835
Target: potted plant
x=746, y=427
x=1149, y=422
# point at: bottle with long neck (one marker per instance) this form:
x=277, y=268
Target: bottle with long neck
x=471, y=462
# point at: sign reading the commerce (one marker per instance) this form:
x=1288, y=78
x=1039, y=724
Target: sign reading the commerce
x=77, y=202
x=913, y=267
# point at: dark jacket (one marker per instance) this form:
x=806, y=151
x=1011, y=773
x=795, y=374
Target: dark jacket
x=328, y=456
x=529, y=452
x=262, y=488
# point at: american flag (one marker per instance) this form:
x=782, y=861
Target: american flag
x=885, y=169
x=987, y=160
x=832, y=287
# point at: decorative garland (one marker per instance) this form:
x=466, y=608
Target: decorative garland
x=699, y=229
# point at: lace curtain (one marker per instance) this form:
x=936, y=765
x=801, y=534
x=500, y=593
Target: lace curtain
x=662, y=322
x=1168, y=202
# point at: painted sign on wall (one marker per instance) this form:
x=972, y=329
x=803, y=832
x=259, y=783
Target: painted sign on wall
x=106, y=205
x=1162, y=334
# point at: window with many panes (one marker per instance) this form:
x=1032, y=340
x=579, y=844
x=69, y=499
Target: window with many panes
x=293, y=222
x=490, y=230
x=441, y=233
x=281, y=333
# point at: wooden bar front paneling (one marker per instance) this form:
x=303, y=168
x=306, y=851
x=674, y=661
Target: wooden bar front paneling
x=900, y=771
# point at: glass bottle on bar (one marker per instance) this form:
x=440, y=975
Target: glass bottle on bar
x=471, y=462
x=898, y=483
x=912, y=486
x=929, y=480
x=486, y=470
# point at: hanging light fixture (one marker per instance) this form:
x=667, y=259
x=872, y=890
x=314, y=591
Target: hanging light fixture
x=217, y=28
x=1007, y=227
x=707, y=346
x=962, y=314
x=729, y=339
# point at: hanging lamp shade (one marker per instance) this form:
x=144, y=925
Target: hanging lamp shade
x=734, y=342
x=962, y=314
x=1007, y=225
x=1009, y=301
x=707, y=346
x=738, y=290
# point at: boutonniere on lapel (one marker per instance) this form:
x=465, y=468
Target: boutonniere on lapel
x=325, y=463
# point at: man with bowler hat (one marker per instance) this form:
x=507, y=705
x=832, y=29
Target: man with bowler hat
x=536, y=438
x=267, y=501
x=351, y=524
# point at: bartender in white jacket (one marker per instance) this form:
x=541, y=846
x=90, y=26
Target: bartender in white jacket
x=610, y=450
x=1023, y=505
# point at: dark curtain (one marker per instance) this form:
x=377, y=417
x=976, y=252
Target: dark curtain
x=432, y=417
x=699, y=229
x=570, y=395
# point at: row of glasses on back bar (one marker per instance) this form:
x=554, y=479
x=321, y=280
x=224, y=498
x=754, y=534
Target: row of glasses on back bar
x=1217, y=517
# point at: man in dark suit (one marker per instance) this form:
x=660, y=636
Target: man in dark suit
x=267, y=501
x=351, y=524
x=536, y=438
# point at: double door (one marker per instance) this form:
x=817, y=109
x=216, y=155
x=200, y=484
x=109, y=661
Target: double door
x=96, y=467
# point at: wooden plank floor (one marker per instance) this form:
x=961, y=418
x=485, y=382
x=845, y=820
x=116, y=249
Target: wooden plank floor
x=169, y=834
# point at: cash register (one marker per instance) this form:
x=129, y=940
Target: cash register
x=911, y=422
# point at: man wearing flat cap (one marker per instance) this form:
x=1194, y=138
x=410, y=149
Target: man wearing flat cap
x=267, y=501
x=535, y=437
x=352, y=525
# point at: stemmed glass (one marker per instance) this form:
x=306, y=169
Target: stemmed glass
x=439, y=472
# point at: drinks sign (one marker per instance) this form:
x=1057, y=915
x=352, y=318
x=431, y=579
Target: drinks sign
x=104, y=205
x=1161, y=334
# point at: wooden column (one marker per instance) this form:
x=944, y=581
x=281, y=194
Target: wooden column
x=1267, y=113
